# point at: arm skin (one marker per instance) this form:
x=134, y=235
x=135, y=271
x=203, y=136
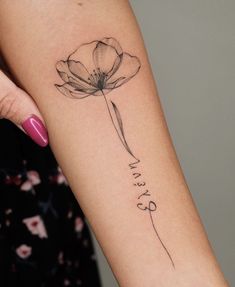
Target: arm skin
x=34, y=36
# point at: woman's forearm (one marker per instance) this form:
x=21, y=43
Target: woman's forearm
x=85, y=65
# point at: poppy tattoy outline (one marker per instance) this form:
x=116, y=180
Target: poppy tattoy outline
x=95, y=69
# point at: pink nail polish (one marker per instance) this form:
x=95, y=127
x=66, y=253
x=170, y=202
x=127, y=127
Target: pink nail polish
x=34, y=127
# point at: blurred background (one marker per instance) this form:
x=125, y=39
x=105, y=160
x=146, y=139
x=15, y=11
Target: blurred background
x=191, y=45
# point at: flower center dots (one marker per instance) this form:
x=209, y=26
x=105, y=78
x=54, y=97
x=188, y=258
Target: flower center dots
x=98, y=79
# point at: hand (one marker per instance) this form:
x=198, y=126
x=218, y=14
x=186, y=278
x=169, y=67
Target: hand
x=18, y=107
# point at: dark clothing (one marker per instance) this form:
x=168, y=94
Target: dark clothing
x=44, y=238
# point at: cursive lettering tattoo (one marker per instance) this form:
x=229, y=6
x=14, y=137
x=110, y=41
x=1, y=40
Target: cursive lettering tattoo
x=145, y=202
x=95, y=69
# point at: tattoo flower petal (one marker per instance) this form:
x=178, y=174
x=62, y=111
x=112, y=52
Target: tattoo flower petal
x=96, y=68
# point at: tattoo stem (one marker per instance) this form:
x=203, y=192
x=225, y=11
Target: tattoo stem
x=124, y=143
x=121, y=137
x=159, y=238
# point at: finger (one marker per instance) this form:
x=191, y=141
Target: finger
x=18, y=107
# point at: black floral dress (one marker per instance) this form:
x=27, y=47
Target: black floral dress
x=44, y=238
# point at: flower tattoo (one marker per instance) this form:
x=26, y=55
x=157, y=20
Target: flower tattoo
x=95, y=69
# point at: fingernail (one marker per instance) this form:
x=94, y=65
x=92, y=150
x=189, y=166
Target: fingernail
x=34, y=127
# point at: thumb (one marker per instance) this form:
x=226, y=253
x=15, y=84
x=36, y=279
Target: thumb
x=18, y=107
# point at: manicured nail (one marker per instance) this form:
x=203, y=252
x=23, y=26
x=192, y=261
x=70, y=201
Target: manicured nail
x=34, y=127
